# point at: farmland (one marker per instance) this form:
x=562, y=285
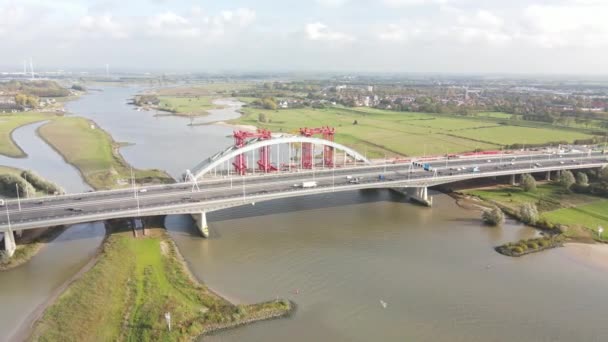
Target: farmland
x=380, y=132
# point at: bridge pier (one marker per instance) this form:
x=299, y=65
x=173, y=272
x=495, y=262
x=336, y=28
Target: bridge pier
x=548, y=176
x=419, y=195
x=201, y=223
x=9, y=243
x=513, y=182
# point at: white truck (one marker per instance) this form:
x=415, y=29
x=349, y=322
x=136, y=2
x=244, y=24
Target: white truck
x=305, y=185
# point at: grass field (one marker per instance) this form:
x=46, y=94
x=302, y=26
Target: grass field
x=555, y=205
x=127, y=292
x=590, y=216
x=10, y=122
x=219, y=88
x=382, y=132
x=93, y=152
x=187, y=105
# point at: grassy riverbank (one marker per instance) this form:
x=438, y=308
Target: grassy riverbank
x=187, y=106
x=580, y=213
x=408, y=133
x=126, y=294
x=10, y=122
x=94, y=153
x=28, y=245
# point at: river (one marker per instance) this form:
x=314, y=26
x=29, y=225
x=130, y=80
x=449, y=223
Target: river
x=339, y=255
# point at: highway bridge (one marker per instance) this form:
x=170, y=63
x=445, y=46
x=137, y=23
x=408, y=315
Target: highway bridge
x=213, y=186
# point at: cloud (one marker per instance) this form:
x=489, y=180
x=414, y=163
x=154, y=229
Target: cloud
x=332, y=3
x=321, y=32
x=102, y=25
x=169, y=24
x=581, y=23
x=405, y=3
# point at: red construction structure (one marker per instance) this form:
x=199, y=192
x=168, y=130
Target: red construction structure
x=307, y=148
x=240, y=140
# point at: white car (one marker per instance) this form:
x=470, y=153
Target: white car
x=143, y=190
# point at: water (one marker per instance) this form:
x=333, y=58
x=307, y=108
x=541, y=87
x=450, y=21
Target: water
x=26, y=287
x=337, y=256
x=435, y=268
x=158, y=141
x=44, y=160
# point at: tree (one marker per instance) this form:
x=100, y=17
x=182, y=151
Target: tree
x=528, y=183
x=582, y=179
x=603, y=174
x=269, y=103
x=355, y=122
x=493, y=217
x=566, y=179
x=528, y=213
x=262, y=118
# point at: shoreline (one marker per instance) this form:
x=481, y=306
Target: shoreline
x=26, y=328
x=591, y=255
x=41, y=324
x=32, y=247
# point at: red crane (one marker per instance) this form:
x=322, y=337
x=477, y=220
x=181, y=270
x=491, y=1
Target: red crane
x=307, y=150
x=240, y=140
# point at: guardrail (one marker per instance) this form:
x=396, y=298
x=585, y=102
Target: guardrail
x=208, y=205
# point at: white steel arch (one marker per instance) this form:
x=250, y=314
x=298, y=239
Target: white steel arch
x=220, y=158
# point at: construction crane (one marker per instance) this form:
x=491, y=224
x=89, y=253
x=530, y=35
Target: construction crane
x=307, y=148
x=240, y=140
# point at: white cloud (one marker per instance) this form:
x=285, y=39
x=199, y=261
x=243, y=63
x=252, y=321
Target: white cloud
x=320, y=31
x=581, y=23
x=405, y=3
x=332, y=3
x=102, y=26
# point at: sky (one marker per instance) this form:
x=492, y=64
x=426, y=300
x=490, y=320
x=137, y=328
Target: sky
x=405, y=36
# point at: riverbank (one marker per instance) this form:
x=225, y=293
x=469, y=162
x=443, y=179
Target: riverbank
x=125, y=295
x=29, y=244
x=9, y=123
x=95, y=154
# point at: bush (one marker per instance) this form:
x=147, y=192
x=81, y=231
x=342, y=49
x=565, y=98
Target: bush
x=582, y=179
x=493, y=217
x=528, y=183
x=517, y=250
x=41, y=184
x=566, y=179
x=532, y=245
x=528, y=213
x=543, y=242
x=9, y=184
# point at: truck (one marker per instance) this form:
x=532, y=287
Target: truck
x=310, y=184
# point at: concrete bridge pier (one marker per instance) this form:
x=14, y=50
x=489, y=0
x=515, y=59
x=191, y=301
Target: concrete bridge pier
x=512, y=180
x=548, y=176
x=9, y=242
x=201, y=223
x=418, y=195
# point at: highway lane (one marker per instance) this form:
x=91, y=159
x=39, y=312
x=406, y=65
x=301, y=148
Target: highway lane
x=264, y=178
x=250, y=189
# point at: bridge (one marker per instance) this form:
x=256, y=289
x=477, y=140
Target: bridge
x=287, y=166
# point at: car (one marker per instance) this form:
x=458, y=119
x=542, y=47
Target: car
x=143, y=190
x=78, y=198
x=488, y=161
x=74, y=209
x=2, y=202
x=561, y=162
x=537, y=164
x=39, y=202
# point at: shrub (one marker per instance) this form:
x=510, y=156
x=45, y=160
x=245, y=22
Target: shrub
x=566, y=179
x=528, y=183
x=532, y=245
x=544, y=243
x=41, y=184
x=493, y=217
x=582, y=179
x=528, y=213
x=517, y=250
